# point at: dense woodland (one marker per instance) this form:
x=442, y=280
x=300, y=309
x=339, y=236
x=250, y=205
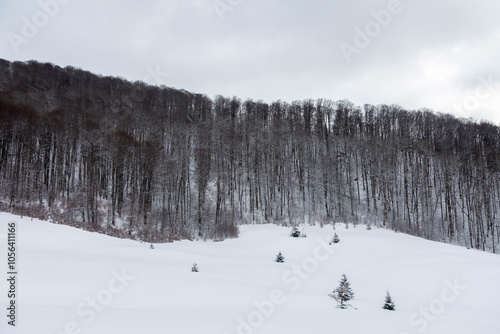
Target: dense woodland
x=157, y=163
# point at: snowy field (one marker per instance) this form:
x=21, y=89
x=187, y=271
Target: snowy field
x=72, y=281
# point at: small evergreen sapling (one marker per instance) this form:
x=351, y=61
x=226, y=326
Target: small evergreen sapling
x=152, y=247
x=295, y=232
x=280, y=258
x=343, y=293
x=194, y=268
x=335, y=239
x=389, y=303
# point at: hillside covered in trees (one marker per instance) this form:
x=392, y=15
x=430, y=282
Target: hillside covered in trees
x=158, y=163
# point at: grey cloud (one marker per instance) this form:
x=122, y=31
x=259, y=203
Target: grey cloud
x=277, y=49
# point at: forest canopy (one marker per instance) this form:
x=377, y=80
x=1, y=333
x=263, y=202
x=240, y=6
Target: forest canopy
x=157, y=163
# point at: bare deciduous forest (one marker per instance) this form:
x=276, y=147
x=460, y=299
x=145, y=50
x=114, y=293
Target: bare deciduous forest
x=161, y=164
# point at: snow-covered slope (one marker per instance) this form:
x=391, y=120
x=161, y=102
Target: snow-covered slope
x=72, y=281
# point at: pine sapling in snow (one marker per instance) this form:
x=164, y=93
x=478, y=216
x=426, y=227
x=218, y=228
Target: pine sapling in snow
x=343, y=293
x=389, y=303
x=194, y=268
x=280, y=258
x=335, y=239
x=295, y=232
x=152, y=247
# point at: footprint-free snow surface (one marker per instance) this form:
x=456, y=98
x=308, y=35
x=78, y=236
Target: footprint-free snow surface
x=72, y=281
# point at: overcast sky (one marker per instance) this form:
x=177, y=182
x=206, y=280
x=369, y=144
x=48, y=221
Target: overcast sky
x=438, y=54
